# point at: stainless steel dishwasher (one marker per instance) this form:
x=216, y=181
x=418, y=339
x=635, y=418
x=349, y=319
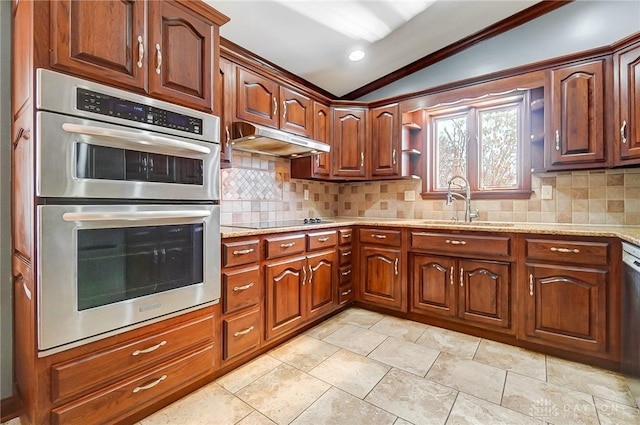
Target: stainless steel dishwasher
x=631, y=317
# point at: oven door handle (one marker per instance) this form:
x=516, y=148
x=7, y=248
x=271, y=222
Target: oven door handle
x=136, y=140
x=134, y=216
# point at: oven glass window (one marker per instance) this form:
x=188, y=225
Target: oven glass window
x=103, y=162
x=125, y=263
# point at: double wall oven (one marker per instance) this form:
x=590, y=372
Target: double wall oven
x=128, y=218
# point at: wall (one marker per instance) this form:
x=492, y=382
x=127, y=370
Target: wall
x=6, y=313
x=577, y=26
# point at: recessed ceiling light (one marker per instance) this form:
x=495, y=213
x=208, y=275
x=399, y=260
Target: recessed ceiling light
x=356, y=55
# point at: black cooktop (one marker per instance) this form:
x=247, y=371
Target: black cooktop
x=281, y=223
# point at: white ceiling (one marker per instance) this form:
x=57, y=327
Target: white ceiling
x=307, y=46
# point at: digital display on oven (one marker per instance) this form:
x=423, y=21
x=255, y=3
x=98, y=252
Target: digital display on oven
x=103, y=104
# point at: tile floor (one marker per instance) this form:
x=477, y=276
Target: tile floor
x=361, y=367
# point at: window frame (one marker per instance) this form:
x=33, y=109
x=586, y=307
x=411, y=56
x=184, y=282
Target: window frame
x=473, y=108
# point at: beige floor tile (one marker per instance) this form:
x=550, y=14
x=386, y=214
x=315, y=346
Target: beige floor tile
x=590, y=380
x=14, y=421
x=256, y=418
x=410, y=357
x=549, y=402
x=612, y=413
x=511, y=358
x=282, y=394
x=209, y=405
x=477, y=379
x=336, y=407
x=412, y=398
x=470, y=410
x=351, y=372
x=325, y=328
x=449, y=341
x=401, y=421
x=243, y=376
x=356, y=339
x=399, y=328
x=359, y=317
x=304, y=352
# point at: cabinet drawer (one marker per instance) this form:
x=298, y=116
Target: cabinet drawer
x=70, y=378
x=284, y=245
x=582, y=252
x=345, y=236
x=345, y=255
x=240, y=289
x=484, y=246
x=238, y=253
x=118, y=400
x=344, y=275
x=241, y=333
x=345, y=294
x=321, y=240
x=381, y=237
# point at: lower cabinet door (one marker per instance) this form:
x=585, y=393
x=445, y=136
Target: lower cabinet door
x=285, y=295
x=485, y=293
x=434, y=285
x=241, y=333
x=381, y=281
x=117, y=401
x=321, y=283
x=566, y=307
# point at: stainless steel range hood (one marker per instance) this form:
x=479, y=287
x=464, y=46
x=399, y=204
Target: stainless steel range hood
x=269, y=141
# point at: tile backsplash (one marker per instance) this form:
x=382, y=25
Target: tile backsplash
x=261, y=188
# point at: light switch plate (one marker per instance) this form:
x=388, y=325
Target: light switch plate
x=409, y=195
x=547, y=192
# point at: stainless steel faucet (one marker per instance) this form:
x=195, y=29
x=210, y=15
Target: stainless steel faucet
x=468, y=214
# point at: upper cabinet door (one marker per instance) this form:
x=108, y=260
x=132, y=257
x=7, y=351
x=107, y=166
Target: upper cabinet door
x=576, y=132
x=256, y=98
x=225, y=109
x=322, y=132
x=385, y=141
x=628, y=122
x=101, y=40
x=180, y=55
x=297, y=112
x=349, y=138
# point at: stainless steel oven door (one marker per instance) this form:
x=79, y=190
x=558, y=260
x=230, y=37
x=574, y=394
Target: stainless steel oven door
x=104, y=269
x=80, y=158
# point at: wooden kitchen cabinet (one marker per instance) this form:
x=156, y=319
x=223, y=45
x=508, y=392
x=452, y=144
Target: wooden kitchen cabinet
x=466, y=285
x=22, y=177
x=571, y=296
x=321, y=285
x=165, y=49
x=316, y=166
x=381, y=268
x=627, y=105
x=226, y=110
x=261, y=100
x=385, y=141
x=575, y=135
x=285, y=282
x=349, y=142
x=345, y=266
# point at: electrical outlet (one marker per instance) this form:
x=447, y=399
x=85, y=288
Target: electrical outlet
x=306, y=194
x=409, y=195
x=547, y=192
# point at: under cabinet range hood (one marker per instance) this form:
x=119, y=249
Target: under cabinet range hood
x=269, y=141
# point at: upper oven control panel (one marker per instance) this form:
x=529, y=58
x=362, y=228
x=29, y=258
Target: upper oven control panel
x=104, y=104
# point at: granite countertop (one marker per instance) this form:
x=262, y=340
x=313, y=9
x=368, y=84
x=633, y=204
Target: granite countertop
x=629, y=234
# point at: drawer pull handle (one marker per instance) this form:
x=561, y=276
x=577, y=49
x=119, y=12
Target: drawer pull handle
x=346, y=235
x=150, y=349
x=557, y=140
x=461, y=276
x=150, y=385
x=451, y=276
x=287, y=245
x=377, y=236
x=565, y=250
x=531, y=284
x=346, y=272
x=304, y=275
x=140, y=52
x=159, y=59
x=27, y=292
x=323, y=239
x=243, y=251
x=623, y=131
x=310, y=275
x=244, y=332
x=455, y=242
x=243, y=288
x=395, y=266
x=347, y=292
x=344, y=254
